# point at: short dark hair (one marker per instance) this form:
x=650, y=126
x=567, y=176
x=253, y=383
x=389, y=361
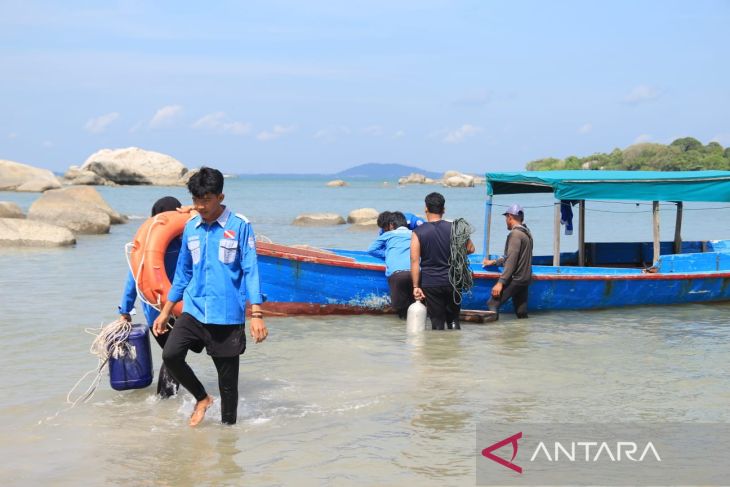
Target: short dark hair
x=206, y=181
x=398, y=219
x=435, y=203
x=166, y=203
x=384, y=220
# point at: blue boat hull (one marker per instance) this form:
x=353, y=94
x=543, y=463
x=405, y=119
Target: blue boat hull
x=316, y=282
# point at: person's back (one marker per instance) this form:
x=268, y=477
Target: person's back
x=435, y=240
x=430, y=265
x=394, y=246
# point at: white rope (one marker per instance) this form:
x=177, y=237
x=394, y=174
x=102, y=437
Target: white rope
x=111, y=341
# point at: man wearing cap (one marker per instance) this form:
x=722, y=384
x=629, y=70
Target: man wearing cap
x=517, y=262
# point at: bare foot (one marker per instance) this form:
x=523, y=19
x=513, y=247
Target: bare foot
x=199, y=412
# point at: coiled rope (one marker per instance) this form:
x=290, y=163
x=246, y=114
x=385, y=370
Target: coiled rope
x=111, y=341
x=460, y=275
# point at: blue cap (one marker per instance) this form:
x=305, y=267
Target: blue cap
x=515, y=210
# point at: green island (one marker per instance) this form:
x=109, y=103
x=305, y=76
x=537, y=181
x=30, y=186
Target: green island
x=683, y=154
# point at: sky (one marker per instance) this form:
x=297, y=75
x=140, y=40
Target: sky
x=317, y=87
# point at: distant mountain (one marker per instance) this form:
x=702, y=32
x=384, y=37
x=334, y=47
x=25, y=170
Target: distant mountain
x=383, y=171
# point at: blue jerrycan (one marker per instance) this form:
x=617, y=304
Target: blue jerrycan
x=133, y=371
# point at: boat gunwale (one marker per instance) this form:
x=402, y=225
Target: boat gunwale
x=351, y=263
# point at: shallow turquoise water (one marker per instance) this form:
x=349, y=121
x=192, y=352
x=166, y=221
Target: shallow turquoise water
x=340, y=400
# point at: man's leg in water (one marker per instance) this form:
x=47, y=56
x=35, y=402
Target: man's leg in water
x=167, y=385
x=183, y=337
x=228, y=385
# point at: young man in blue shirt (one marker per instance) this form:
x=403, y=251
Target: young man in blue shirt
x=216, y=274
x=394, y=246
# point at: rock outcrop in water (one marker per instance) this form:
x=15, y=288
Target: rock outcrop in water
x=15, y=176
x=136, y=166
x=17, y=232
x=8, y=209
x=363, y=216
x=81, y=209
x=336, y=183
x=79, y=177
x=318, y=219
x=455, y=179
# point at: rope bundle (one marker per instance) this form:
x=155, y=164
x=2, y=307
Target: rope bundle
x=460, y=275
x=110, y=341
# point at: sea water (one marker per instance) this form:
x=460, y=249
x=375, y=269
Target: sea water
x=341, y=400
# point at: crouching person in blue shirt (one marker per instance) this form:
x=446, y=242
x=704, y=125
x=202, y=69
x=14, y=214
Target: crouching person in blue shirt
x=394, y=246
x=216, y=274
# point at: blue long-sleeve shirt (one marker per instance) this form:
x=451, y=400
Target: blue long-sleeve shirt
x=395, y=248
x=130, y=287
x=217, y=271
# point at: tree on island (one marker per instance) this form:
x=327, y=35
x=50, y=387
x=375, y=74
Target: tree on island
x=684, y=154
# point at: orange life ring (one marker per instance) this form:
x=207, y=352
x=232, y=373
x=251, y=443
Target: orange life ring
x=147, y=256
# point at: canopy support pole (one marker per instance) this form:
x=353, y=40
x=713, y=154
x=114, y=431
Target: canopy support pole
x=582, y=233
x=487, y=226
x=678, y=229
x=655, y=214
x=556, y=235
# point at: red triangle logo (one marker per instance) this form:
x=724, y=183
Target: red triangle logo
x=487, y=452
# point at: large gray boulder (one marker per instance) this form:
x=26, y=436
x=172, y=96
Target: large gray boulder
x=78, y=208
x=90, y=196
x=413, y=178
x=27, y=233
x=318, y=219
x=15, y=176
x=78, y=176
x=136, y=166
x=456, y=179
x=363, y=216
x=8, y=209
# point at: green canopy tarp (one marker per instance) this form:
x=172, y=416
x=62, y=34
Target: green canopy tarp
x=615, y=185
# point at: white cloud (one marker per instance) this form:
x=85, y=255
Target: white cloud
x=275, y=133
x=165, y=116
x=220, y=123
x=585, y=128
x=643, y=138
x=12, y=135
x=330, y=134
x=399, y=134
x=457, y=136
x=374, y=130
x=641, y=94
x=99, y=124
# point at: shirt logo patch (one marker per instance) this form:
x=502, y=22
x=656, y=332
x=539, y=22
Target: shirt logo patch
x=251, y=242
x=229, y=234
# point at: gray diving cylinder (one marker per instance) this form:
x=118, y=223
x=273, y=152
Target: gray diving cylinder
x=416, y=320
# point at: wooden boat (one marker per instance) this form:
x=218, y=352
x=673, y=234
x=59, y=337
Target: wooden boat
x=598, y=275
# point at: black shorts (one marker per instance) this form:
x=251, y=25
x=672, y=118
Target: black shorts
x=218, y=340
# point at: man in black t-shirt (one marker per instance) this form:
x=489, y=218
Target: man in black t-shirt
x=430, y=253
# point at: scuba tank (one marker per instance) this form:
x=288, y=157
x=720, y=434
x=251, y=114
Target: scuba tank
x=133, y=369
x=416, y=320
